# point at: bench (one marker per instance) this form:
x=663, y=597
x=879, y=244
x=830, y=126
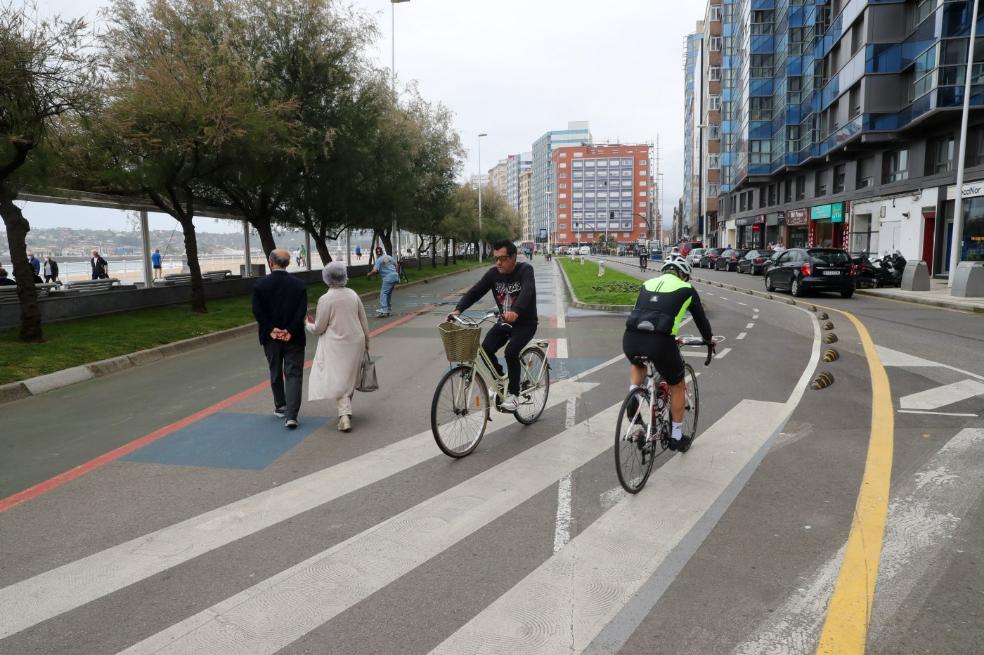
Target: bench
x=92, y=286
x=185, y=278
x=8, y=293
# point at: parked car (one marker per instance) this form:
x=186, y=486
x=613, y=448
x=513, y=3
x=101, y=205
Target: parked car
x=695, y=255
x=799, y=270
x=729, y=258
x=655, y=254
x=754, y=261
x=687, y=246
x=585, y=250
x=708, y=259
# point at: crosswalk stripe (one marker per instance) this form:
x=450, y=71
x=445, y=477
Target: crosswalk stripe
x=270, y=615
x=565, y=604
x=72, y=585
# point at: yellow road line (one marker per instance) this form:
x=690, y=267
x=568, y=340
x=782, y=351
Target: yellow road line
x=845, y=629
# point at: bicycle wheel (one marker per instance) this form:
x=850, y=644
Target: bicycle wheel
x=634, y=455
x=459, y=411
x=533, y=389
x=692, y=408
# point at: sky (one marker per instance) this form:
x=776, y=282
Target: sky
x=514, y=69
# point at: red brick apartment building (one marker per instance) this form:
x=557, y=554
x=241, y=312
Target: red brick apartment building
x=602, y=190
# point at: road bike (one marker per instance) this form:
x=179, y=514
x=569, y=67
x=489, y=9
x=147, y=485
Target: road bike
x=466, y=394
x=643, y=430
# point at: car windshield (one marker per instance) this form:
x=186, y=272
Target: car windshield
x=830, y=257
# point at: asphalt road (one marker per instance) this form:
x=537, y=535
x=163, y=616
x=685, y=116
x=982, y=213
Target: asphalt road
x=224, y=533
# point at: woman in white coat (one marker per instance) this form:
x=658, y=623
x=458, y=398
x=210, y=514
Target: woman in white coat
x=343, y=337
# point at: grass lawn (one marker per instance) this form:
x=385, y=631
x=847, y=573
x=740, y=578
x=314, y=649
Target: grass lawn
x=87, y=340
x=614, y=288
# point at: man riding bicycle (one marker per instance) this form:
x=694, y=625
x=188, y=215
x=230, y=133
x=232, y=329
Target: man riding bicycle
x=643, y=259
x=513, y=287
x=651, y=333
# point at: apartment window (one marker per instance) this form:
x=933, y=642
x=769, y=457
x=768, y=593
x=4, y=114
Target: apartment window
x=895, y=166
x=715, y=44
x=714, y=103
x=714, y=13
x=840, y=175
x=857, y=36
x=800, y=187
x=713, y=190
x=939, y=155
x=714, y=73
x=819, y=184
x=562, y=186
x=975, y=146
x=921, y=11
x=854, y=100
x=865, y=176
x=712, y=161
x=922, y=74
x=772, y=194
x=760, y=108
x=741, y=202
x=761, y=194
x=578, y=164
x=713, y=132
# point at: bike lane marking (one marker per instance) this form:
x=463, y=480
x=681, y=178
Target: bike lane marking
x=52, y=483
x=845, y=629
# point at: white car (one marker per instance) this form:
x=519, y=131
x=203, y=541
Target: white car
x=694, y=257
x=585, y=250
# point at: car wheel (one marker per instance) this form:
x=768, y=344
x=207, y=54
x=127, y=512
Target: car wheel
x=847, y=293
x=796, y=288
x=768, y=284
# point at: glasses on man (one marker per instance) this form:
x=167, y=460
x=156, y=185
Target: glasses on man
x=502, y=258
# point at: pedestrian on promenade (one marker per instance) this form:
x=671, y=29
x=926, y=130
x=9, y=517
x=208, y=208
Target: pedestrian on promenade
x=343, y=336
x=389, y=272
x=302, y=255
x=4, y=280
x=100, y=269
x=279, y=305
x=35, y=263
x=50, y=269
x=358, y=253
x=156, y=261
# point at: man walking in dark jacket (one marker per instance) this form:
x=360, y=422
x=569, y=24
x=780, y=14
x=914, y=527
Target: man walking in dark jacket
x=280, y=305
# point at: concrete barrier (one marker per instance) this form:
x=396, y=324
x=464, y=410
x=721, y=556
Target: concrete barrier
x=968, y=281
x=915, y=277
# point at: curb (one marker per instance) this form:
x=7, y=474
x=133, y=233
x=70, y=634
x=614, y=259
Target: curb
x=583, y=305
x=918, y=300
x=69, y=376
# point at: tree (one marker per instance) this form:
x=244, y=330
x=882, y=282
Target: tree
x=46, y=72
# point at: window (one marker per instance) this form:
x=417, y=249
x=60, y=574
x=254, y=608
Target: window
x=865, y=176
x=761, y=198
x=772, y=194
x=800, y=187
x=840, y=175
x=741, y=202
x=643, y=194
x=895, y=166
x=713, y=190
x=642, y=204
x=819, y=184
x=975, y=146
x=713, y=132
x=712, y=160
x=760, y=108
x=714, y=73
x=857, y=36
x=715, y=44
x=578, y=164
x=714, y=103
x=562, y=195
x=714, y=13
x=854, y=100
x=643, y=183
x=940, y=155
x=563, y=186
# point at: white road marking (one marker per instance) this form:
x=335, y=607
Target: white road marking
x=559, y=298
x=570, y=419
x=566, y=602
x=891, y=357
x=72, y=585
x=937, y=397
x=741, y=336
x=743, y=304
x=610, y=498
x=923, y=411
x=749, y=326
x=922, y=516
x=561, y=348
x=276, y=612
x=723, y=353
x=562, y=527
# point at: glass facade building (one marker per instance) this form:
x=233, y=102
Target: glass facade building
x=542, y=183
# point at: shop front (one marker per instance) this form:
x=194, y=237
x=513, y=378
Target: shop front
x=751, y=232
x=972, y=245
x=796, y=232
x=827, y=228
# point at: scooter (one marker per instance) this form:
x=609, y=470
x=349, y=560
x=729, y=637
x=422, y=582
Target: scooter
x=891, y=266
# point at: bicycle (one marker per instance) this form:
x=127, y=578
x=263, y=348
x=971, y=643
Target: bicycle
x=643, y=434
x=465, y=395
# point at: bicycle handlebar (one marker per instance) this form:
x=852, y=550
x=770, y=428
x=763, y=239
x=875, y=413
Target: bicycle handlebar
x=695, y=341
x=471, y=322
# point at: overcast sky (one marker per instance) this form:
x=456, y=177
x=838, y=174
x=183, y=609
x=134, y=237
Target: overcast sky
x=515, y=69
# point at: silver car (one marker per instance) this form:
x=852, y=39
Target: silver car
x=694, y=257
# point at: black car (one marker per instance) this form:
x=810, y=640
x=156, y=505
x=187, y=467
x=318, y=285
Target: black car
x=729, y=258
x=799, y=270
x=754, y=261
x=709, y=257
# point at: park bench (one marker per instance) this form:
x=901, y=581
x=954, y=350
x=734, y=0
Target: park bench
x=185, y=278
x=92, y=286
x=8, y=293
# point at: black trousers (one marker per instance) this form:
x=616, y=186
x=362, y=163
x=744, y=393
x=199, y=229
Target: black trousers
x=286, y=360
x=516, y=336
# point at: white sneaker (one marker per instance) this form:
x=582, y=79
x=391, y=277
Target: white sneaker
x=344, y=423
x=510, y=404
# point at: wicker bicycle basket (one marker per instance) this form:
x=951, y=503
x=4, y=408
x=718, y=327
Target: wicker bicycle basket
x=460, y=341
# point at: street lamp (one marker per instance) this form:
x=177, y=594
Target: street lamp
x=393, y=3
x=957, y=239
x=481, y=243
x=547, y=195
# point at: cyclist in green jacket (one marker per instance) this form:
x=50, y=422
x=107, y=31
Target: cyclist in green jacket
x=651, y=333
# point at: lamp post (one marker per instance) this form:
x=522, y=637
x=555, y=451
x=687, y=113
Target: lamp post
x=957, y=240
x=393, y=3
x=547, y=195
x=481, y=242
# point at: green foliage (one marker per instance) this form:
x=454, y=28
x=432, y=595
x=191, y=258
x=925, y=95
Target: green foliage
x=614, y=288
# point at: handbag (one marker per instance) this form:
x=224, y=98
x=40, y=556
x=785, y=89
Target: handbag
x=367, y=381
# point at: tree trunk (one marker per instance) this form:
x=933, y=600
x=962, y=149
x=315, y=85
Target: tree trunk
x=433, y=251
x=191, y=253
x=454, y=251
x=27, y=293
x=385, y=238
x=445, y=252
x=321, y=245
x=420, y=252
x=372, y=247
x=264, y=229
